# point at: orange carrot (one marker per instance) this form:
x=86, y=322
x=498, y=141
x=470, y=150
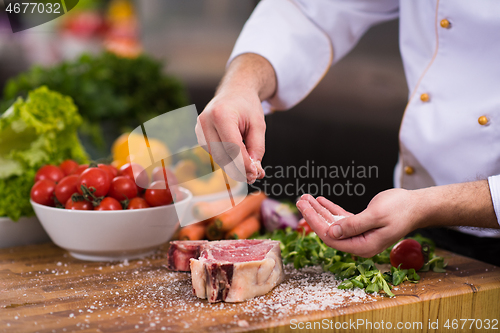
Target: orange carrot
x=204, y=210
x=231, y=218
x=245, y=229
x=192, y=232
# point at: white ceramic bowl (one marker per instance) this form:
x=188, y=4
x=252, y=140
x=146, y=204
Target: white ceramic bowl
x=25, y=231
x=112, y=235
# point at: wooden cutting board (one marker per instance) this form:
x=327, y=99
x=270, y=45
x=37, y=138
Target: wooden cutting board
x=43, y=289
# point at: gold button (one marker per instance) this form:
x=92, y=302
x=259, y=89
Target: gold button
x=483, y=120
x=445, y=24
x=409, y=170
x=424, y=97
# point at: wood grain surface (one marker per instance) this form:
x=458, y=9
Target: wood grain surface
x=43, y=289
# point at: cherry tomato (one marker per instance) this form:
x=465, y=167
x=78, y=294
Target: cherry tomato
x=138, y=203
x=113, y=170
x=157, y=194
x=66, y=187
x=107, y=170
x=50, y=172
x=78, y=205
x=159, y=175
x=81, y=168
x=407, y=253
x=43, y=192
x=122, y=188
x=109, y=203
x=96, y=178
x=141, y=175
x=303, y=226
x=68, y=167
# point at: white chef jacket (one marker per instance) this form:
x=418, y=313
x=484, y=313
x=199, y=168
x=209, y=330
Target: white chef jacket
x=450, y=131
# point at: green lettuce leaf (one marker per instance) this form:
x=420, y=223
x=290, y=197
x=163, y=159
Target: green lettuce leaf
x=39, y=130
x=15, y=193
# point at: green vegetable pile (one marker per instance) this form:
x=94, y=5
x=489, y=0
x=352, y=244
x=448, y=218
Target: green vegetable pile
x=33, y=132
x=113, y=94
x=309, y=250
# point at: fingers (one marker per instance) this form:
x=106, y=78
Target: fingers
x=229, y=133
x=365, y=245
x=218, y=135
x=199, y=133
x=352, y=226
x=255, y=144
x=333, y=208
x=315, y=221
x=324, y=213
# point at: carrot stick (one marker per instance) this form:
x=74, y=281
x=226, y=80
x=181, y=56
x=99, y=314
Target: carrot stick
x=206, y=209
x=245, y=229
x=213, y=233
x=192, y=232
x=231, y=218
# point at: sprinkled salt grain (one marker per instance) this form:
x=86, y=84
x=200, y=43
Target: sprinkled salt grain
x=243, y=323
x=334, y=217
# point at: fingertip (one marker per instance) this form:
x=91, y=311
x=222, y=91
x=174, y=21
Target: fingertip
x=307, y=197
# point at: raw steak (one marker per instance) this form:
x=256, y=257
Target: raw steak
x=180, y=252
x=236, y=270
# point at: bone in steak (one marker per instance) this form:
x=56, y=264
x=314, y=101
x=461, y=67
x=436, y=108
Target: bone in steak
x=180, y=252
x=236, y=270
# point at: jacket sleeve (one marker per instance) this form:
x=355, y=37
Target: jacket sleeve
x=494, y=183
x=302, y=38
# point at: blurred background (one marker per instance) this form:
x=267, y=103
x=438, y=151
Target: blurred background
x=351, y=118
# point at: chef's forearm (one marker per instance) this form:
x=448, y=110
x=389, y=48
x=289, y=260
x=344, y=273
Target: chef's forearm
x=252, y=73
x=464, y=204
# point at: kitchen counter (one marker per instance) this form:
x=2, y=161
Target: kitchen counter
x=44, y=289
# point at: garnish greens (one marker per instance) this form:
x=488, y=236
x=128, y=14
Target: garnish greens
x=309, y=250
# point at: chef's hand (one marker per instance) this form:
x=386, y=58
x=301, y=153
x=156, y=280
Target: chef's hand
x=235, y=113
x=392, y=214
x=387, y=219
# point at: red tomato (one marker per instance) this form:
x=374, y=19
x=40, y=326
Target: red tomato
x=157, y=194
x=108, y=171
x=68, y=167
x=303, y=226
x=50, y=172
x=407, y=253
x=109, y=203
x=81, y=168
x=122, y=188
x=78, y=205
x=43, y=192
x=94, y=178
x=113, y=170
x=138, y=203
x=159, y=175
x=66, y=187
x=141, y=175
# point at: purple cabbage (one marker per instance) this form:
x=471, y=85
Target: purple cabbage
x=278, y=215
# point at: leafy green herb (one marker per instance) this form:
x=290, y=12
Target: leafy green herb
x=33, y=132
x=308, y=250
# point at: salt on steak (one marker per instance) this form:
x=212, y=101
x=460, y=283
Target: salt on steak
x=180, y=252
x=236, y=270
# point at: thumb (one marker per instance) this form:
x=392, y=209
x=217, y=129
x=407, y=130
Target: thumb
x=352, y=226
